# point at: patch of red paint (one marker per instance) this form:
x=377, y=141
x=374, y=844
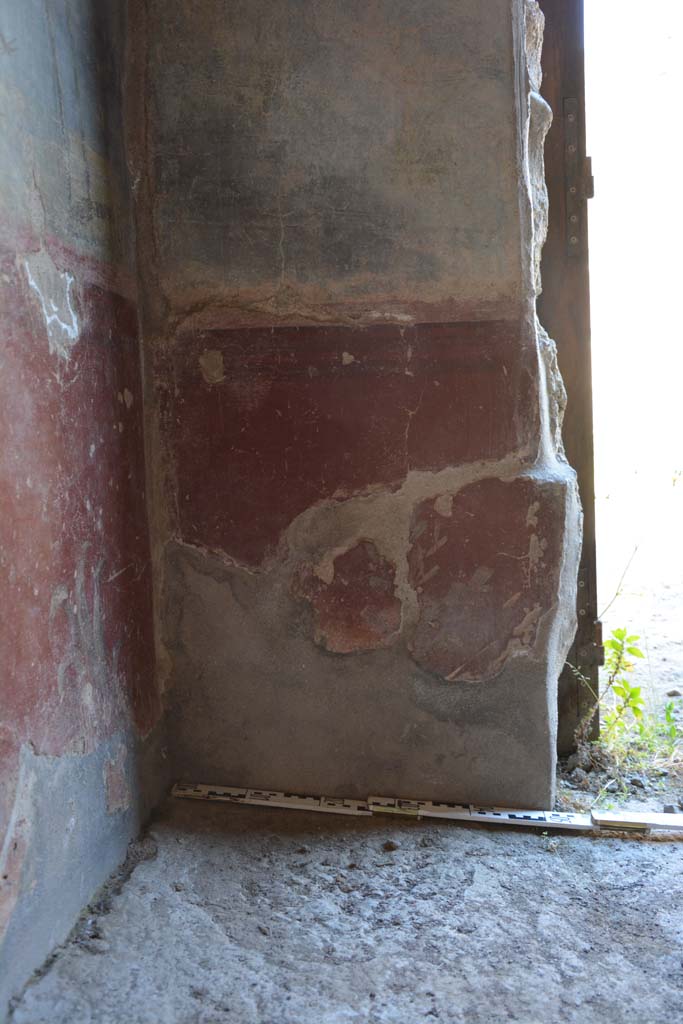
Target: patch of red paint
x=312, y=413
x=356, y=609
x=116, y=782
x=485, y=567
x=77, y=628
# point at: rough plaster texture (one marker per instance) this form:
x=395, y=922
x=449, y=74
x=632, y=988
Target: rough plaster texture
x=364, y=536
x=334, y=160
x=365, y=531
x=76, y=635
x=259, y=917
x=269, y=700
x=72, y=819
x=302, y=416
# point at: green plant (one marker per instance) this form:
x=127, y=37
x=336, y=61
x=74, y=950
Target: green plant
x=629, y=735
x=629, y=704
x=656, y=738
x=670, y=727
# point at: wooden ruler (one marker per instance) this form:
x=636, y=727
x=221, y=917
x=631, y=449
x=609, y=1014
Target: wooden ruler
x=594, y=821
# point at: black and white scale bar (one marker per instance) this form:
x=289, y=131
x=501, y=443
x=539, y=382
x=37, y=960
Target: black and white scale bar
x=595, y=821
x=488, y=815
x=272, y=798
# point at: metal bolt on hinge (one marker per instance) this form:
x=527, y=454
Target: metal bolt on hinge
x=578, y=179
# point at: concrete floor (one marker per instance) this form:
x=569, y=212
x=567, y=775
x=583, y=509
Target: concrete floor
x=276, y=917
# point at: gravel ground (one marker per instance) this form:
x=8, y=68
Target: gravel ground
x=235, y=914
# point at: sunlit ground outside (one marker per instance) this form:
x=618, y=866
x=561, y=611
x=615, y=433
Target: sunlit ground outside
x=634, y=82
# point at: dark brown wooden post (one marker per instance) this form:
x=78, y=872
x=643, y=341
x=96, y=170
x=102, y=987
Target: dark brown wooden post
x=564, y=310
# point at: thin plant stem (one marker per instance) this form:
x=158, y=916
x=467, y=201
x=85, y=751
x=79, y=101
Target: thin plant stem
x=619, y=584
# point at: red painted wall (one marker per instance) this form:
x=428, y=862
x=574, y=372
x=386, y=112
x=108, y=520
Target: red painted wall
x=76, y=627
x=264, y=422
x=76, y=631
x=369, y=530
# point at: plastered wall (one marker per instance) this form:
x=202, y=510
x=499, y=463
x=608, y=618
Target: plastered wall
x=365, y=531
x=281, y=463
x=77, y=676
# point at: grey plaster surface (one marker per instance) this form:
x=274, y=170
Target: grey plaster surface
x=253, y=699
x=62, y=157
x=350, y=152
x=276, y=917
x=74, y=841
x=294, y=159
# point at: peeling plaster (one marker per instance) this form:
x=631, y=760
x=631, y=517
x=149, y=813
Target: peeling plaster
x=80, y=683
x=328, y=529
x=444, y=505
x=355, y=609
x=251, y=667
x=211, y=365
x=119, y=797
x=15, y=843
x=60, y=317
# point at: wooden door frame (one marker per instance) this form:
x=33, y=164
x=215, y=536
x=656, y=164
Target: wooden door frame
x=564, y=311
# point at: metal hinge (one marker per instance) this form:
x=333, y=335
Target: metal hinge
x=579, y=181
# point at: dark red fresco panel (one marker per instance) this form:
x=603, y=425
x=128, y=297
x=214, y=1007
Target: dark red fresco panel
x=357, y=609
x=304, y=414
x=76, y=630
x=485, y=567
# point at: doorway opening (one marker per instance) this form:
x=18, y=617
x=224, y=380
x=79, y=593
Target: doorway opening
x=622, y=361
x=634, y=84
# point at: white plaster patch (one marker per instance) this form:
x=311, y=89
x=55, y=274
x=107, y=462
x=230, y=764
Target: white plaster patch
x=443, y=505
x=53, y=289
x=325, y=570
x=128, y=397
x=347, y=358
x=481, y=576
x=401, y=318
x=526, y=629
x=88, y=697
x=536, y=549
x=212, y=366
